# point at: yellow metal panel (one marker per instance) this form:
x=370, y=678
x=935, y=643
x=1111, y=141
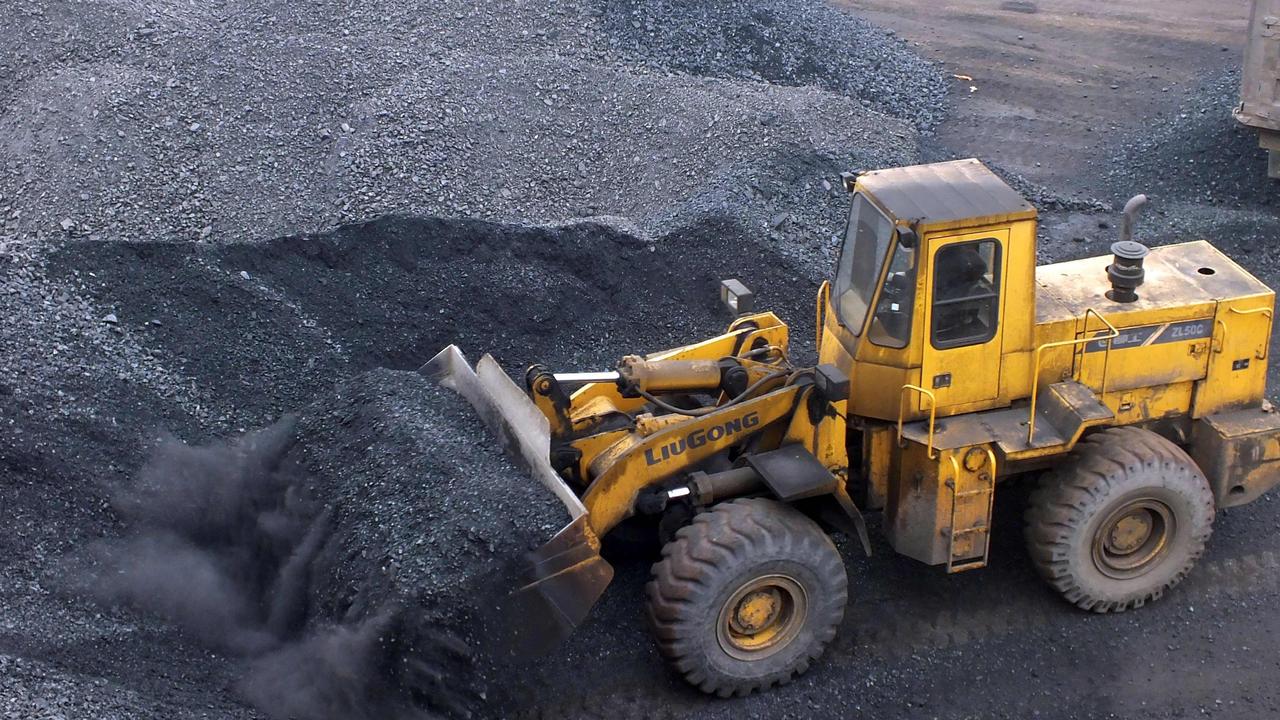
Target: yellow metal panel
x=1239, y=452
x=915, y=514
x=1147, y=354
x=611, y=496
x=1149, y=403
x=946, y=196
x=876, y=391
x=974, y=369
x=1056, y=363
x=1183, y=281
x=873, y=387
x=939, y=508
x=1238, y=356
x=878, y=455
x=826, y=438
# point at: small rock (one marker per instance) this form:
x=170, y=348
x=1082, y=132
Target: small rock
x=244, y=274
x=67, y=223
x=111, y=319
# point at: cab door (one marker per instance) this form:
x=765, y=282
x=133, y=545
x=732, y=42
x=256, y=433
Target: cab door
x=964, y=310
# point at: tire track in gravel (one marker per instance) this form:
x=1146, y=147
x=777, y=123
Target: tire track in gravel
x=894, y=634
x=901, y=635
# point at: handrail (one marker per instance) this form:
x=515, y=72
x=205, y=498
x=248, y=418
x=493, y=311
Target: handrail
x=933, y=414
x=1035, y=368
x=820, y=316
x=1254, y=311
x=1266, y=343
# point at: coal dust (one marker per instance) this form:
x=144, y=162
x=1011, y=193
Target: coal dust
x=221, y=542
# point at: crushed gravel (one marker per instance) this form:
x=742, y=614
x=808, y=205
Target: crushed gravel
x=843, y=53
x=221, y=121
x=415, y=477
x=1197, y=153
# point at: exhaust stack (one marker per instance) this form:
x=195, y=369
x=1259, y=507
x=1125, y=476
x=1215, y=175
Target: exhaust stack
x=1125, y=272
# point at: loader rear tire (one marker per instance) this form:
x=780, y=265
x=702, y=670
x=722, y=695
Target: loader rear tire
x=1121, y=521
x=746, y=596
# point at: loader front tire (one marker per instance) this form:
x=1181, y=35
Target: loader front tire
x=746, y=596
x=1121, y=521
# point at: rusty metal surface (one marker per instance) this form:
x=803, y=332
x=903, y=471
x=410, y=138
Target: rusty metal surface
x=961, y=193
x=1260, y=79
x=563, y=579
x=1182, y=282
x=1239, y=453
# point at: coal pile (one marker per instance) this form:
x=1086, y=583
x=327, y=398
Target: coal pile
x=210, y=213
x=258, y=323
x=203, y=123
x=757, y=41
x=414, y=475
x=1197, y=153
x=353, y=557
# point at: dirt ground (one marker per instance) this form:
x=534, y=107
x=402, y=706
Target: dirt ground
x=1055, y=82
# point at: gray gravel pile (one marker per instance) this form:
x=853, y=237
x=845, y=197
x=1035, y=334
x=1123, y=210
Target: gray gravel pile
x=32, y=690
x=757, y=41
x=425, y=499
x=1205, y=175
x=258, y=323
x=353, y=558
x=429, y=520
x=222, y=125
x=240, y=121
x=1197, y=154
x=251, y=119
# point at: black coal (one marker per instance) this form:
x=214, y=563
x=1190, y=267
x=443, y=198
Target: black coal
x=350, y=558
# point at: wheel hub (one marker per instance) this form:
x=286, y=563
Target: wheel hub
x=758, y=610
x=1130, y=532
x=1133, y=538
x=761, y=617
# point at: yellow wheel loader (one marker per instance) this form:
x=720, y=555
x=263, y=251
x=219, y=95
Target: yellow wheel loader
x=1132, y=385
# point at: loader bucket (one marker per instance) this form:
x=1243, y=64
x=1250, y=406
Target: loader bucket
x=563, y=578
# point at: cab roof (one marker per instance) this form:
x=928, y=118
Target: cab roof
x=945, y=195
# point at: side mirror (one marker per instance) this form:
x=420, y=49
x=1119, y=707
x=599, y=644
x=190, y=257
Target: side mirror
x=907, y=238
x=736, y=297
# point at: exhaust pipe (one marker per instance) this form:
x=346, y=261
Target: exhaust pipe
x=1125, y=272
x=1131, y=209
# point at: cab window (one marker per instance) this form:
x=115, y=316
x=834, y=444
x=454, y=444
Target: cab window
x=891, y=322
x=966, y=291
x=862, y=255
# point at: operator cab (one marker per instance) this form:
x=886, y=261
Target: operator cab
x=923, y=294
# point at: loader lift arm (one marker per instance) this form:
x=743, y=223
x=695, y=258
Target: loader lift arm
x=697, y=424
